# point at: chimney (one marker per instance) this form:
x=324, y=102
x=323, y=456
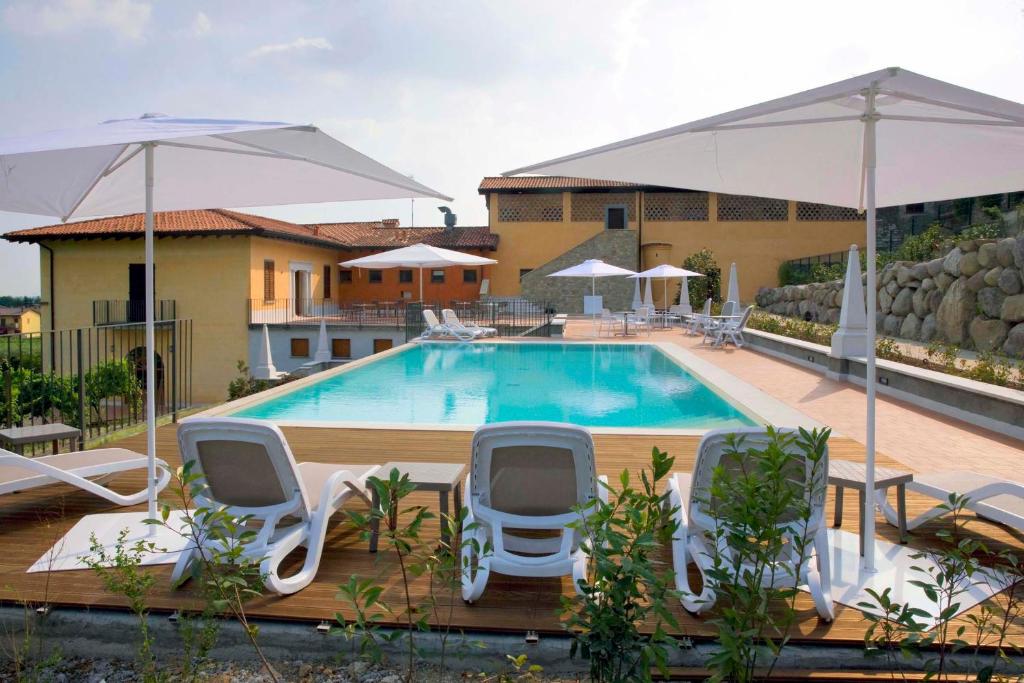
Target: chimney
x=390, y=222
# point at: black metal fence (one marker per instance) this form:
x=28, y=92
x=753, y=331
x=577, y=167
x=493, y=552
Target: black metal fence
x=111, y=312
x=92, y=378
x=511, y=317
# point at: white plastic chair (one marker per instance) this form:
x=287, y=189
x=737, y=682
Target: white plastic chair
x=730, y=308
x=527, y=477
x=82, y=469
x=694, y=541
x=608, y=323
x=698, y=321
x=724, y=331
x=641, y=319
x=453, y=323
x=247, y=469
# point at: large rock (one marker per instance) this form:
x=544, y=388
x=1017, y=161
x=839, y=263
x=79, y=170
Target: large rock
x=920, y=271
x=976, y=281
x=1004, y=251
x=891, y=325
x=928, y=328
x=969, y=264
x=888, y=274
x=1013, y=308
x=1018, y=253
x=935, y=266
x=967, y=245
x=893, y=288
x=904, y=302
x=904, y=276
x=911, y=327
x=990, y=301
x=927, y=284
x=992, y=276
x=1009, y=280
x=921, y=302
x=951, y=264
x=955, y=312
x=943, y=281
x=1014, y=345
x=884, y=301
x=934, y=300
x=988, y=334
x=987, y=255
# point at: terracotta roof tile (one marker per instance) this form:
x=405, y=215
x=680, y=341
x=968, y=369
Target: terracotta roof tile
x=381, y=234
x=493, y=183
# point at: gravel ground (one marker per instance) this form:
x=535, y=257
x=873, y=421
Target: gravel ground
x=119, y=671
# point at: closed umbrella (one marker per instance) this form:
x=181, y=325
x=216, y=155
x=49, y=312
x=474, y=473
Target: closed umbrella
x=164, y=163
x=418, y=256
x=648, y=296
x=885, y=138
x=665, y=272
x=734, y=286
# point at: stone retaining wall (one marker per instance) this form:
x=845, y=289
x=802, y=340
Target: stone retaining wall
x=973, y=296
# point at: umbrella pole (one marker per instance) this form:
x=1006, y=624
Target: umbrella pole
x=150, y=343
x=422, y=302
x=872, y=322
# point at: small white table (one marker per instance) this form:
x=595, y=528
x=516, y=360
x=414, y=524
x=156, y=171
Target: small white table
x=442, y=477
x=19, y=437
x=844, y=474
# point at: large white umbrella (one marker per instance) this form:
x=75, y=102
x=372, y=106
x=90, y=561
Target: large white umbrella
x=164, y=163
x=592, y=268
x=921, y=139
x=418, y=256
x=665, y=272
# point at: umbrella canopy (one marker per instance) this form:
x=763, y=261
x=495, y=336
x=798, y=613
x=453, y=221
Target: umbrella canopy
x=880, y=139
x=592, y=268
x=163, y=163
x=418, y=256
x=666, y=271
x=734, y=285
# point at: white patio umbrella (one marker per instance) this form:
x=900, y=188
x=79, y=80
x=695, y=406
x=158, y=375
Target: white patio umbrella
x=921, y=139
x=592, y=268
x=418, y=256
x=665, y=272
x=734, y=285
x=638, y=300
x=648, y=296
x=164, y=163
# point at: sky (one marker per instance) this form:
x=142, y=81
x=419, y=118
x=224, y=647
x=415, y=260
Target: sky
x=449, y=92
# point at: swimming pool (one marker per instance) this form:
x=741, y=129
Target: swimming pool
x=595, y=385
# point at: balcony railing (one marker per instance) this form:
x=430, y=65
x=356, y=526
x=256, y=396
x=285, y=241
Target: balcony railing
x=111, y=312
x=511, y=317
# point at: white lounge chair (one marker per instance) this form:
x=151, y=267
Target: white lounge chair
x=696, y=323
x=989, y=497
x=438, y=330
x=82, y=469
x=723, y=331
x=453, y=323
x=527, y=477
x=694, y=540
x=248, y=470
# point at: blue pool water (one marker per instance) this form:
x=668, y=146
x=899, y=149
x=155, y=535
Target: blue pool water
x=595, y=385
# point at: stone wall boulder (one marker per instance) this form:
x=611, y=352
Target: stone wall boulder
x=988, y=334
x=987, y=255
x=904, y=302
x=990, y=301
x=1009, y=280
x=951, y=264
x=1014, y=345
x=969, y=264
x=1004, y=251
x=1013, y=308
x=955, y=312
x=911, y=327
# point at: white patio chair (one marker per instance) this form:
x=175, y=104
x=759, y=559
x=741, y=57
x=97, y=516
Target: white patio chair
x=85, y=470
x=694, y=541
x=437, y=330
x=998, y=500
x=728, y=330
x=525, y=478
x=730, y=308
x=698, y=321
x=608, y=323
x=641, y=319
x=247, y=469
x=453, y=323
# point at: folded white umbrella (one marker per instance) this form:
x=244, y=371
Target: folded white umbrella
x=666, y=271
x=921, y=139
x=418, y=256
x=648, y=296
x=734, y=285
x=164, y=163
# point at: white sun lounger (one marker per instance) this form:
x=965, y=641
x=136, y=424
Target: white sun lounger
x=453, y=323
x=438, y=330
x=82, y=469
x=527, y=477
x=989, y=497
x=248, y=469
x=689, y=494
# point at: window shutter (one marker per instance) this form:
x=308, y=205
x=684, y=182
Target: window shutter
x=327, y=282
x=268, y=280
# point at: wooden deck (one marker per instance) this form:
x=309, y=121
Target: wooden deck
x=31, y=522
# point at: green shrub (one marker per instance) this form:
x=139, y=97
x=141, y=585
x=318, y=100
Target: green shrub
x=703, y=287
x=922, y=247
x=245, y=384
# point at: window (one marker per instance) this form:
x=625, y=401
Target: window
x=676, y=206
x=382, y=345
x=300, y=347
x=405, y=276
x=376, y=277
x=734, y=207
x=915, y=209
x=437, y=277
x=268, y=280
x=469, y=275
x=341, y=348
x=344, y=276
x=327, y=282
x=615, y=217
x=530, y=208
x=523, y=272
x=808, y=211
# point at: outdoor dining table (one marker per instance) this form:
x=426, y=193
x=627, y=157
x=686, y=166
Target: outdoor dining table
x=624, y=317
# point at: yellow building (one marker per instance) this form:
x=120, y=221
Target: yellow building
x=229, y=273
x=545, y=223
x=19, y=319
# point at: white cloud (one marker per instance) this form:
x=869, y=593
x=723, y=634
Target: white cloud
x=201, y=25
x=297, y=44
x=126, y=18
